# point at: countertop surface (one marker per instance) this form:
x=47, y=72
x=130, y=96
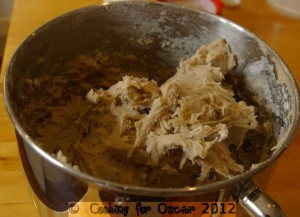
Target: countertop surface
x=281, y=33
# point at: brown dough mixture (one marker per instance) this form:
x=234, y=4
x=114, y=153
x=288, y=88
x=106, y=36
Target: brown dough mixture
x=138, y=132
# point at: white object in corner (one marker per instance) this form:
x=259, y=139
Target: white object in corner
x=231, y=3
x=290, y=8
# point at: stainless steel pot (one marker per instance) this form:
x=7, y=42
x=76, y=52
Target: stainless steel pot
x=153, y=31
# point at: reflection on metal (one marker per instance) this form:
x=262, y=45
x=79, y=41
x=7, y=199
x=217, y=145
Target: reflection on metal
x=257, y=203
x=176, y=33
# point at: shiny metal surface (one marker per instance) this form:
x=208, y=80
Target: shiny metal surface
x=257, y=203
x=174, y=32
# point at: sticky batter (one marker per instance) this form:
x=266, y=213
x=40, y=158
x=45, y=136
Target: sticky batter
x=138, y=132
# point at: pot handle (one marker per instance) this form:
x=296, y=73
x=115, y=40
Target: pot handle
x=255, y=202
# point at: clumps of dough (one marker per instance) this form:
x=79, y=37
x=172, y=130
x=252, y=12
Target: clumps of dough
x=191, y=112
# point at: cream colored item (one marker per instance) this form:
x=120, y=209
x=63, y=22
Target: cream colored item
x=192, y=112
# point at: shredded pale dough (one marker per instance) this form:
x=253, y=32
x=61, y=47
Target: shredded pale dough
x=192, y=112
